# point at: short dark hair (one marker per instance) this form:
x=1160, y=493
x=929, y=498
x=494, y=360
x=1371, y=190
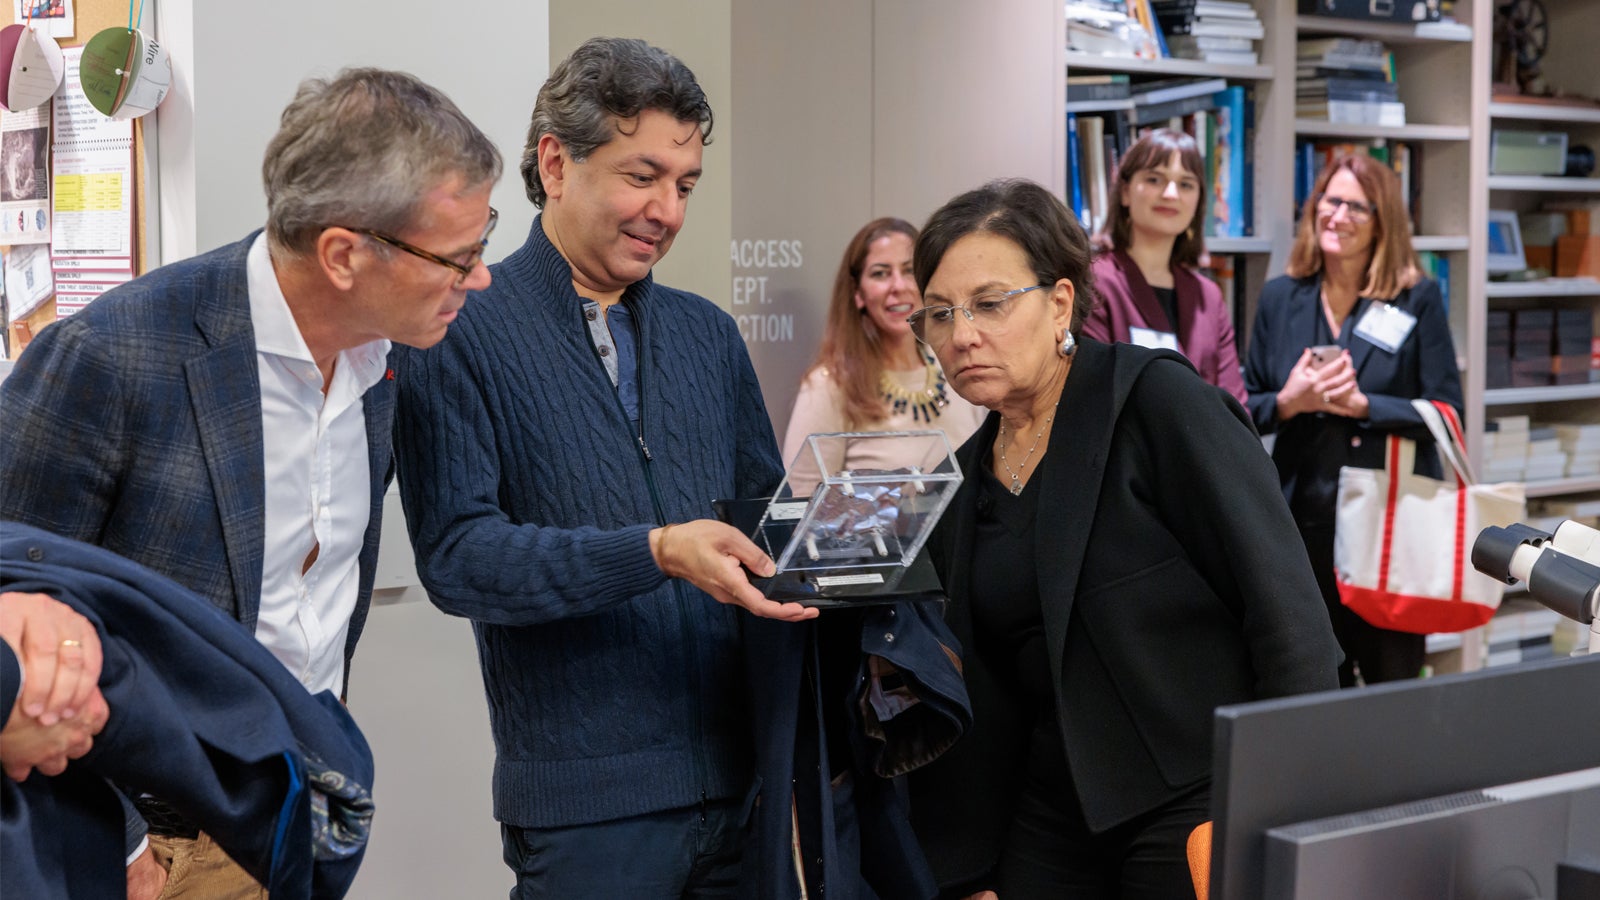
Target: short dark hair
x=359, y=150
x=604, y=80
x=1032, y=217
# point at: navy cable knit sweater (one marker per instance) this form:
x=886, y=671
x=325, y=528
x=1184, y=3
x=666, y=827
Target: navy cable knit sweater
x=613, y=691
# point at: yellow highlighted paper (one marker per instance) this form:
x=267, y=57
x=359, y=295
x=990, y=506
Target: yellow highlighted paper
x=91, y=192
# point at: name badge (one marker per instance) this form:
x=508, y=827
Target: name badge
x=1156, y=340
x=1386, y=326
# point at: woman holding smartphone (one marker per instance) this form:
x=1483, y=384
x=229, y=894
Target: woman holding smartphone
x=1340, y=347
x=1151, y=292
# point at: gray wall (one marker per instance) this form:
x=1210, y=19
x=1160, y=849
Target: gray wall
x=802, y=174
x=237, y=65
x=415, y=689
x=847, y=111
x=697, y=32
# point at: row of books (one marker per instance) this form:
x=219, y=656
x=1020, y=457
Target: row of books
x=1516, y=449
x=1437, y=266
x=1221, y=122
x=1538, y=347
x=1218, y=31
x=1312, y=156
x=1347, y=81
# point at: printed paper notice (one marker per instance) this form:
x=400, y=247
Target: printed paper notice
x=53, y=17
x=93, y=205
x=28, y=280
x=25, y=176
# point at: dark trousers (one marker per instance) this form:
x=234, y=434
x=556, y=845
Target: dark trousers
x=680, y=853
x=1378, y=653
x=1050, y=854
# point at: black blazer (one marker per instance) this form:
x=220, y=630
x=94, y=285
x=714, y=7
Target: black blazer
x=1172, y=581
x=1424, y=366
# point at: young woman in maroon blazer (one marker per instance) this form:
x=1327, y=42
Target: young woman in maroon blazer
x=1150, y=292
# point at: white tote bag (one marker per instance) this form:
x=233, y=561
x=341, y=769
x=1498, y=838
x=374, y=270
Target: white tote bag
x=1403, y=542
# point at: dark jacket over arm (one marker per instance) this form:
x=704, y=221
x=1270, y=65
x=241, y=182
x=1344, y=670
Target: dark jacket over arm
x=201, y=715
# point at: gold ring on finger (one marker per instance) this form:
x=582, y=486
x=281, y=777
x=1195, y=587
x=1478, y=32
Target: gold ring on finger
x=69, y=642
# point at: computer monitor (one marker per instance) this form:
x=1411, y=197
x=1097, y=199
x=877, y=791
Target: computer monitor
x=1297, y=759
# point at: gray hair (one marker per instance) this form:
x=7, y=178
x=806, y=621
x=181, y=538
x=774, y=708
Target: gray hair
x=604, y=80
x=360, y=151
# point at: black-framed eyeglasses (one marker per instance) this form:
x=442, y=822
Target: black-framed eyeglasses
x=933, y=325
x=1356, y=210
x=463, y=270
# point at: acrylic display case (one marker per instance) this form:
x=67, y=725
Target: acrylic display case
x=852, y=535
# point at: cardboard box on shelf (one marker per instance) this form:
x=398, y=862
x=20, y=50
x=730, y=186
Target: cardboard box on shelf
x=1578, y=255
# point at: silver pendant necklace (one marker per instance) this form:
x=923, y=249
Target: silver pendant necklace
x=1016, y=475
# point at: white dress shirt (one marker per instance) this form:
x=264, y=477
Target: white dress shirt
x=318, y=487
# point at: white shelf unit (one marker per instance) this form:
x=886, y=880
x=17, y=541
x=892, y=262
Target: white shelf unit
x=1091, y=62
x=1440, y=243
x=1388, y=32
x=1259, y=256
x=1319, y=128
x=1568, y=65
x=1560, y=487
x=1239, y=245
x=1545, y=112
x=1442, y=74
x=1544, y=183
x=1554, y=393
x=1544, y=287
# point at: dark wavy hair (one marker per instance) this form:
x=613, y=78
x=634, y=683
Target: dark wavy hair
x=603, y=81
x=1032, y=217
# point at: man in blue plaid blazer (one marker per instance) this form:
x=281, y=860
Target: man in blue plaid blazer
x=207, y=419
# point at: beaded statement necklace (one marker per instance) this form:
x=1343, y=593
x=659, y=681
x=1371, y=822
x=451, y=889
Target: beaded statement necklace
x=925, y=404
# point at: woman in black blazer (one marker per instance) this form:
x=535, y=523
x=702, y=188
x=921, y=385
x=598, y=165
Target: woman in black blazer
x=1115, y=566
x=1353, y=288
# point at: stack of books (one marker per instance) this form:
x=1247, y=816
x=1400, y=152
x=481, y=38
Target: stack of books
x=1532, y=336
x=1347, y=81
x=1546, y=461
x=1497, y=350
x=1572, y=342
x=1505, y=449
x=1581, y=444
x=1546, y=513
x=1216, y=31
x=1173, y=98
x=1106, y=28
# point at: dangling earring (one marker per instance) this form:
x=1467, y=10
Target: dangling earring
x=1069, y=344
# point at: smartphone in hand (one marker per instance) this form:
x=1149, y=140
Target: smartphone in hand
x=1322, y=354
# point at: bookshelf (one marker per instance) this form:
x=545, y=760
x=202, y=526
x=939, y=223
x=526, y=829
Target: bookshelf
x=1089, y=62
x=1567, y=65
x=1441, y=70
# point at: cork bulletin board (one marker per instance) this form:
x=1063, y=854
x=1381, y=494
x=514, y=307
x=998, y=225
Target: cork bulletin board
x=91, y=17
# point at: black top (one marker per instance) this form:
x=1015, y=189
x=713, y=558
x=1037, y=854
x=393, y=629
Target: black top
x=1008, y=622
x=1168, y=298
x=1314, y=500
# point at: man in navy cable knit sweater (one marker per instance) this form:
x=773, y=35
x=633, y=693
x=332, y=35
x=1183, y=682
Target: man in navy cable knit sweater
x=558, y=455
